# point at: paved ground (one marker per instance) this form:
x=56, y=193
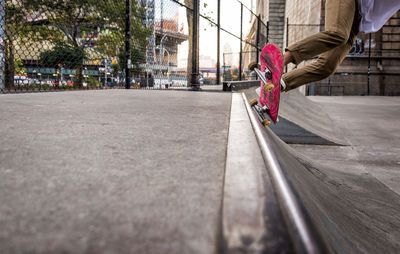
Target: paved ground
x=352, y=191
x=371, y=127
x=112, y=171
x=143, y=171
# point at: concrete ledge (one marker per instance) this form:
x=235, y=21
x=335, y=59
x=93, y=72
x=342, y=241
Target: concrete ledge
x=251, y=218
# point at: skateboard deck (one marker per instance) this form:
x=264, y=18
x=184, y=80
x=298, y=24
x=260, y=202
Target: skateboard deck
x=270, y=71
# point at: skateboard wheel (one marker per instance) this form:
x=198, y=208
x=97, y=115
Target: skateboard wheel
x=253, y=102
x=254, y=65
x=266, y=122
x=268, y=87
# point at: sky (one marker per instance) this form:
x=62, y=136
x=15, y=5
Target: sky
x=230, y=20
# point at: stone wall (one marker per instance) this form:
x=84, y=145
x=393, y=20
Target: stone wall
x=276, y=22
x=304, y=18
x=273, y=13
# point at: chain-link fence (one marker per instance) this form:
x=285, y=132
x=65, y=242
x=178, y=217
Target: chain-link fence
x=70, y=44
x=48, y=45
x=244, y=36
x=372, y=67
x=58, y=45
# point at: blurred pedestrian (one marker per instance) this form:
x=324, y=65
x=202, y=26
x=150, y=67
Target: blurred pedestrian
x=143, y=83
x=150, y=80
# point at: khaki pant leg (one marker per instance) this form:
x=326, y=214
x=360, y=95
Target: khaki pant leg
x=325, y=65
x=342, y=21
x=339, y=17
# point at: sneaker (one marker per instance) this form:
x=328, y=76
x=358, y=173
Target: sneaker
x=283, y=85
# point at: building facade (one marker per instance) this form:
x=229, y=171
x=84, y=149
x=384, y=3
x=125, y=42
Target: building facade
x=162, y=16
x=372, y=67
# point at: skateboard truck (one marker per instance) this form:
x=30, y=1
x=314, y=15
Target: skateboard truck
x=262, y=112
x=264, y=75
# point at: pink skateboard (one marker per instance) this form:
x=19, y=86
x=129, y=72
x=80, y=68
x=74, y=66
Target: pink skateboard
x=270, y=72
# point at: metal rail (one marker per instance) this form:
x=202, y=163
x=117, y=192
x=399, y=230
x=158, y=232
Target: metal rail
x=297, y=223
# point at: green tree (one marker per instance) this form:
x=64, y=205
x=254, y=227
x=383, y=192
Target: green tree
x=137, y=56
x=63, y=54
x=112, y=43
x=91, y=26
x=18, y=67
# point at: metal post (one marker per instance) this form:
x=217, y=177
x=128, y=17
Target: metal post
x=287, y=32
x=162, y=16
x=258, y=40
x=329, y=87
x=105, y=72
x=241, y=38
x=195, y=85
x=369, y=65
x=224, y=65
x=128, y=45
x=218, y=42
x=161, y=46
x=2, y=56
x=287, y=38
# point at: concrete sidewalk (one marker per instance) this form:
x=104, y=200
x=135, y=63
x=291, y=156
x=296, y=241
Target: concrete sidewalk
x=112, y=171
x=142, y=171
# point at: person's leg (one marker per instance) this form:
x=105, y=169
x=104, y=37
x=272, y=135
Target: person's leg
x=322, y=68
x=340, y=30
x=339, y=16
